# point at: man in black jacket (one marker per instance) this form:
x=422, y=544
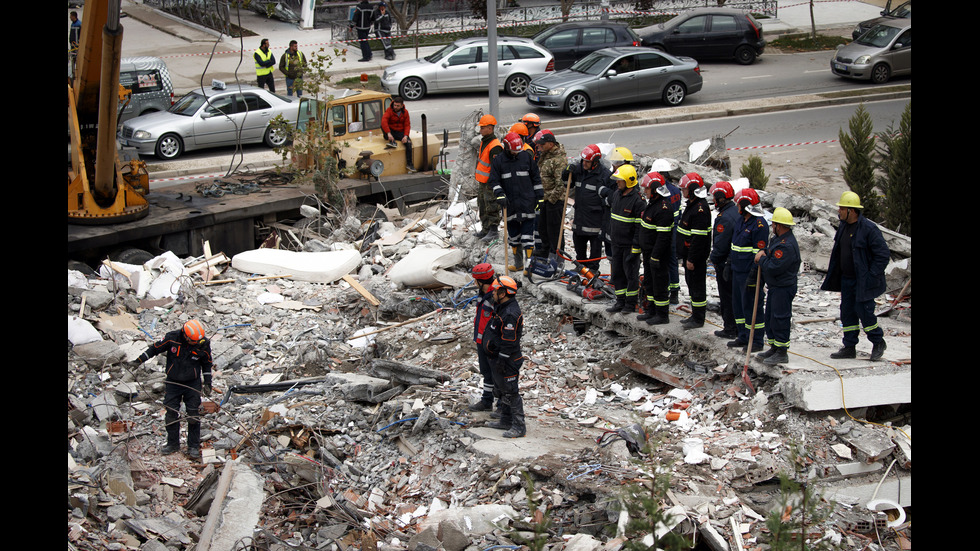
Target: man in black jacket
x=382, y=29
x=188, y=359
x=502, y=341
x=361, y=21
x=694, y=246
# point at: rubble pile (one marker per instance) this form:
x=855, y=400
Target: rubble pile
x=339, y=422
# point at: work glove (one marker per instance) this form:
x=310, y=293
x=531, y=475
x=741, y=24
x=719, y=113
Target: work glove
x=206, y=390
x=537, y=206
x=502, y=201
x=566, y=172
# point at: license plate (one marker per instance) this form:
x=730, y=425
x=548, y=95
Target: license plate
x=533, y=98
x=124, y=143
x=840, y=66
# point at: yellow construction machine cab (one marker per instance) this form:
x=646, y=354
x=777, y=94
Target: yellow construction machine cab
x=355, y=119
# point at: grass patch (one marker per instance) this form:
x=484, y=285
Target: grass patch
x=373, y=83
x=806, y=43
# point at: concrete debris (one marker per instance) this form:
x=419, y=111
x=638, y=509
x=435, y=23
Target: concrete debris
x=339, y=423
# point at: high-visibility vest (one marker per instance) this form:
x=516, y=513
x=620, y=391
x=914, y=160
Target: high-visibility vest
x=260, y=70
x=483, y=163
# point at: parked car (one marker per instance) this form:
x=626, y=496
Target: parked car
x=463, y=66
x=570, y=42
x=708, y=33
x=149, y=80
x=877, y=55
x=614, y=76
x=903, y=11
x=210, y=118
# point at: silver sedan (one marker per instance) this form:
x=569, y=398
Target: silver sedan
x=210, y=118
x=614, y=76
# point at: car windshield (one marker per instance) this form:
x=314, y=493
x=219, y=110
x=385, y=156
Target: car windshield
x=904, y=11
x=188, y=105
x=442, y=53
x=592, y=64
x=878, y=36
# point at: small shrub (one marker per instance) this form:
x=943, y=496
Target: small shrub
x=754, y=171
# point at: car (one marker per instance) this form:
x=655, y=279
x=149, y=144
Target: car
x=614, y=76
x=217, y=116
x=882, y=52
x=149, y=80
x=704, y=33
x=570, y=42
x=903, y=11
x=463, y=66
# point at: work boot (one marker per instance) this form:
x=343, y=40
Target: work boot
x=617, y=306
x=169, y=449
x=482, y=405
x=514, y=432
x=517, y=427
x=878, y=350
x=527, y=260
x=660, y=316
x=763, y=355
x=757, y=347
x=845, y=353
x=499, y=425
x=629, y=307
x=726, y=333
x=780, y=356
x=482, y=233
x=491, y=235
x=647, y=314
x=737, y=343
x=194, y=453
x=518, y=264
x=495, y=414
x=674, y=296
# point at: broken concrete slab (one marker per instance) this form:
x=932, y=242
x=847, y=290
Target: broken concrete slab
x=235, y=511
x=425, y=267
x=473, y=521
x=324, y=267
x=821, y=391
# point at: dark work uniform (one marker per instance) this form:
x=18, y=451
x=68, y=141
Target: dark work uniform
x=502, y=342
x=656, y=227
x=588, y=219
x=517, y=178
x=484, y=313
x=750, y=237
x=721, y=246
x=780, y=267
x=694, y=246
x=625, y=209
x=361, y=20
x=672, y=272
x=186, y=364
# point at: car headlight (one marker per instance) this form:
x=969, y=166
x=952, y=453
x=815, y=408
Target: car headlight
x=556, y=91
x=141, y=135
x=386, y=75
x=863, y=60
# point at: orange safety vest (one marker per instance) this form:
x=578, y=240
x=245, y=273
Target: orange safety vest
x=483, y=163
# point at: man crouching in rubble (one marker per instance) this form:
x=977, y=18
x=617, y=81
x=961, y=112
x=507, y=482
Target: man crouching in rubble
x=188, y=358
x=502, y=341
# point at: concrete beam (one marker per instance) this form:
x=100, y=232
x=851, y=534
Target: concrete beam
x=821, y=391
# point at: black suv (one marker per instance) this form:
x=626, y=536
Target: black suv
x=903, y=11
x=569, y=42
x=708, y=33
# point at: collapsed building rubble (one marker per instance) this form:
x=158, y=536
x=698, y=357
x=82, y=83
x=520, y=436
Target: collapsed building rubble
x=342, y=423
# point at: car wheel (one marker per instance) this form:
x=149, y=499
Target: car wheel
x=880, y=73
x=745, y=55
x=412, y=89
x=169, y=146
x=577, y=104
x=674, y=93
x=516, y=85
x=275, y=137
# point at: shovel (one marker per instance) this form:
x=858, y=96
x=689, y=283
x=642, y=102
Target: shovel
x=748, y=347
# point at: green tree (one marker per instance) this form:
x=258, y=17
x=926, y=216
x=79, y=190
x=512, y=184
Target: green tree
x=754, y=171
x=859, y=166
x=795, y=524
x=895, y=165
x=406, y=12
x=645, y=503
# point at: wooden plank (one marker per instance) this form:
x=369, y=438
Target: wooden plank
x=360, y=289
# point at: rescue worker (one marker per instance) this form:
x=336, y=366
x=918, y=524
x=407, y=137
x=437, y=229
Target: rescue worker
x=617, y=158
x=589, y=175
x=188, y=360
x=552, y=161
x=625, y=209
x=694, y=246
x=521, y=130
x=484, y=276
x=656, y=224
x=750, y=236
x=396, y=125
x=265, y=64
x=721, y=246
x=502, y=342
x=780, y=265
x=533, y=124
x=487, y=206
x=857, y=270
x=664, y=167
x=516, y=185
x=292, y=64
x=361, y=20
x=382, y=29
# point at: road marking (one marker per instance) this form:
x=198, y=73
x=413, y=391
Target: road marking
x=757, y=76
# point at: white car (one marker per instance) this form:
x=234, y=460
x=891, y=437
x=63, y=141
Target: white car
x=463, y=66
x=210, y=118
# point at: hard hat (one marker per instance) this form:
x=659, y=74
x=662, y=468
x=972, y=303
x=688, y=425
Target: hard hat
x=626, y=173
x=724, y=188
x=194, y=331
x=487, y=120
x=544, y=136
x=747, y=194
x=782, y=216
x=513, y=142
x=591, y=153
x=621, y=154
x=520, y=128
x=507, y=283
x=653, y=179
x=482, y=271
x=663, y=165
x=691, y=179
x=850, y=200
x=531, y=118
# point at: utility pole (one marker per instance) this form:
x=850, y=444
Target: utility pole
x=492, y=62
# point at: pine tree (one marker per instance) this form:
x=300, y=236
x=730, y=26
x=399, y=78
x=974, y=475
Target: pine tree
x=895, y=163
x=859, y=167
x=755, y=172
